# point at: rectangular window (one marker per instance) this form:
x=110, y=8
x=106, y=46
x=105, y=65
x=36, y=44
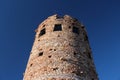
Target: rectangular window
x=75, y=30
x=89, y=56
x=57, y=27
x=42, y=32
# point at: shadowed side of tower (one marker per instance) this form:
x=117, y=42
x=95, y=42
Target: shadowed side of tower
x=60, y=51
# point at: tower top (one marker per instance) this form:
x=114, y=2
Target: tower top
x=56, y=16
x=56, y=19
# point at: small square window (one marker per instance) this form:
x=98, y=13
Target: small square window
x=42, y=32
x=75, y=30
x=57, y=27
x=40, y=54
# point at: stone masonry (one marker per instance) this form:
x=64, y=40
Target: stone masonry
x=60, y=51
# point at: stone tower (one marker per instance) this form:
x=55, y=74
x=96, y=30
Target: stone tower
x=60, y=51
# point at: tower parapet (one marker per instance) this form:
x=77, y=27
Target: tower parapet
x=60, y=51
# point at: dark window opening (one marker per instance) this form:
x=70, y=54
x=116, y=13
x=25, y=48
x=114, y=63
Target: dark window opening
x=75, y=30
x=57, y=27
x=40, y=54
x=89, y=56
x=43, y=31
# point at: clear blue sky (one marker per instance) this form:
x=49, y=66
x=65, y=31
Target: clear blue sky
x=19, y=19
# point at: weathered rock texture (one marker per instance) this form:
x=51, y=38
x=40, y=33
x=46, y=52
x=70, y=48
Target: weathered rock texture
x=60, y=51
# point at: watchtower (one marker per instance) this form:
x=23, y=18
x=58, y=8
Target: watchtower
x=61, y=51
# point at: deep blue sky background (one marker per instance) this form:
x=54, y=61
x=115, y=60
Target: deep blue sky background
x=19, y=19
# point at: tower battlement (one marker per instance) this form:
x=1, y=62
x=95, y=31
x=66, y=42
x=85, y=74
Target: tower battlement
x=60, y=51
